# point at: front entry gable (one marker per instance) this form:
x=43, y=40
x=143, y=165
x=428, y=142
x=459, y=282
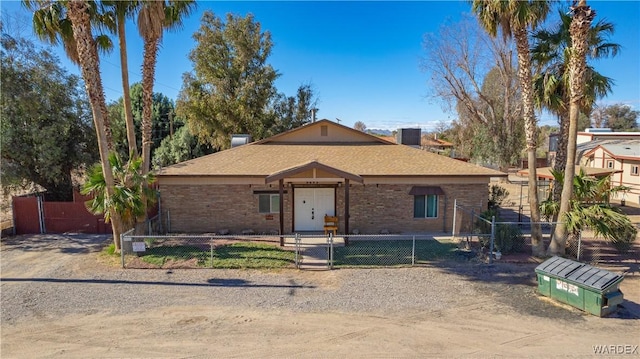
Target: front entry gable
x=313, y=169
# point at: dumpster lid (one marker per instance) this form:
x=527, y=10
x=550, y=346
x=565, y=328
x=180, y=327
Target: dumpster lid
x=558, y=266
x=579, y=273
x=593, y=277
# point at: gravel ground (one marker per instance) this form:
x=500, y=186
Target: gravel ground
x=61, y=298
x=125, y=291
x=61, y=283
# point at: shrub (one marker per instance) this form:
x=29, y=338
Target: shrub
x=497, y=195
x=508, y=238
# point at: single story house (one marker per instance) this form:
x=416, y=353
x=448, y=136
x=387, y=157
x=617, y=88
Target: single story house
x=288, y=183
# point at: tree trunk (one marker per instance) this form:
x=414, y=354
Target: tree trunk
x=90, y=68
x=531, y=129
x=148, y=74
x=579, y=29
x=560, y=161
x=126, y=94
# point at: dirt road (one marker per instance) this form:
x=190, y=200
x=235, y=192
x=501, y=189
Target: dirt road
x=61, y=299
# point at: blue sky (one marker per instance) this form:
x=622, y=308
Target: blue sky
x=361, y=57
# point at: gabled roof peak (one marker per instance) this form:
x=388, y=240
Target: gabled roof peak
x=323, y=132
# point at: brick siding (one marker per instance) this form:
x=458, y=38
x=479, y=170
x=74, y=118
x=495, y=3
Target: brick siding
x=211, y=208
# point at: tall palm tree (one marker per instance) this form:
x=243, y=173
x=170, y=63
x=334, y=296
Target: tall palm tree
x=514, y=18
x=52, y=24
x=579, y=29
x=154, y=17
x=550, y=54
x=118, y=11
x=79, y=14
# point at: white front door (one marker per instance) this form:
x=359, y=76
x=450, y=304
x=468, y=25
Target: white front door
x=311, y=205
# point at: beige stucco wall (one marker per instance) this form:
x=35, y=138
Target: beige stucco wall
x=599, y=158
x=196, y=208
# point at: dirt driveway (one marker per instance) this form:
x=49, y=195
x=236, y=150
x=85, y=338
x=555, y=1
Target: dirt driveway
x=60, y=298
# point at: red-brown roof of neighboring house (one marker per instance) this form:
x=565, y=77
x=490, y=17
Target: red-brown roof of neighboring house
x=545, y=172
x=429, y=142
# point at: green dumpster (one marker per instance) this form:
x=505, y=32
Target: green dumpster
x=585, y=287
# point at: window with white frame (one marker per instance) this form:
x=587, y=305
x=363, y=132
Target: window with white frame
x=634, y=170
x=425, y=206
x=609, y=163
x=269, y=203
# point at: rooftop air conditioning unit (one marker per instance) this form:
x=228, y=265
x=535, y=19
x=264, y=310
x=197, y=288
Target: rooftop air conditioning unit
x=409, y=136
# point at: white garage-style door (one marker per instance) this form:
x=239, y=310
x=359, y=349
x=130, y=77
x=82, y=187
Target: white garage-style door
x=311, y=205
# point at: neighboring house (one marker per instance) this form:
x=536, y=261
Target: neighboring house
x=288, y=183
x=623, y=156
x=588, y=139
x=436, y=145
x=595, y=134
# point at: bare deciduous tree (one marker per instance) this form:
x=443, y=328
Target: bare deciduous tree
x=474, y=75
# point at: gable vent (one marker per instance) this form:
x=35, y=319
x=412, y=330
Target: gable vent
x=324, y=130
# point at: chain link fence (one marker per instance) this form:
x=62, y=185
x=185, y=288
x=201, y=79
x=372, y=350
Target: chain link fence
x=393, y=250
x=590, y=248
x=306, y=251
x=473, y=236
x=480, y=234
x=206, y=251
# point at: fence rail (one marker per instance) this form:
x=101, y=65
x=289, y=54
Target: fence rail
x=487, y=239
x=264, y=251
x=515, y=236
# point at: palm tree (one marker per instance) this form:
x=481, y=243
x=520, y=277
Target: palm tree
x=153, y=19
x=52, y=25
x=132, y=189
x=590, y=208
x=119, y=11
x=550, y=54
x=79, y=15
x=514, y=18
x=579, y=30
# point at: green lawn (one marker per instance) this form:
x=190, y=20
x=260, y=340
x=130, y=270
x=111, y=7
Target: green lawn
x=236, y=255
x=391, y=252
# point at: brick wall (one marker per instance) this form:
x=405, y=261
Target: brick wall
x=211, y=208
x=390, y=207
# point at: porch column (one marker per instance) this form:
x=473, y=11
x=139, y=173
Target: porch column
x=281, y=189
x=346, y=211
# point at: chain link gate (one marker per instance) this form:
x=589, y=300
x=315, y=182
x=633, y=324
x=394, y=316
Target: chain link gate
x=314, y=251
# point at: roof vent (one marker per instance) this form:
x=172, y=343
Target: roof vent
x=239, y=140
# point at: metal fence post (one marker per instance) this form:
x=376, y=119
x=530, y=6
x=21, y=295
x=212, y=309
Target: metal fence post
x=413, y=252
x=122, y=249
x=330, y=262
x=493, y=235
x=579, y=243
x=297, y=248
x=455, y=210
x=211, y=253
x=473, y=217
